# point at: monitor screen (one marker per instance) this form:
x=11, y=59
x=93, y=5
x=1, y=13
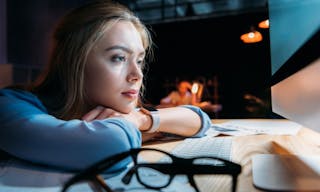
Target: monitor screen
x=295, y=59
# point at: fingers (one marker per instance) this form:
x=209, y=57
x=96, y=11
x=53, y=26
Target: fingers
x=99, y=113
x=105, y=113
x=92, y=114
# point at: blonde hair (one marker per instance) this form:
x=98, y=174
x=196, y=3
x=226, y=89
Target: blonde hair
x=61, y=86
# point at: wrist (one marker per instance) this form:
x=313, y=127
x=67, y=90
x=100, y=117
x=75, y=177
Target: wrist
x=154, y=117
x=146, y=121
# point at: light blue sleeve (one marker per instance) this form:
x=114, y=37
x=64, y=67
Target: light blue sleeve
x=205, y=120
x=28, y=132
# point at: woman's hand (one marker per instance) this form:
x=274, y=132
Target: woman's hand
x=100, y=113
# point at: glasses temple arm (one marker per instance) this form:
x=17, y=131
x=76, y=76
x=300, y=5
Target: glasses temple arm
x=127, y=178
x=102, y=183
x=192, y=183
x=91, y=171
x=234, y=182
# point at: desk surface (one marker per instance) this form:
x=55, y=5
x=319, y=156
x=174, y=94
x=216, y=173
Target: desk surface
x=306, y=142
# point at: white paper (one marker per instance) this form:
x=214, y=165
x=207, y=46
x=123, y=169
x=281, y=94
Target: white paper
x=254, y=127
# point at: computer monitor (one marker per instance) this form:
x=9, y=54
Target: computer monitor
x=295, y=90
x=295, y=59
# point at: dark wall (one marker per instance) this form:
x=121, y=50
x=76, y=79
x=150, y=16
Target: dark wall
x=212, y=47
x=3, y=34
x=29, y=29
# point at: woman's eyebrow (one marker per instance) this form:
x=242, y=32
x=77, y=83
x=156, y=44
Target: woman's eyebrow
x=123, y=48
x=126, y=49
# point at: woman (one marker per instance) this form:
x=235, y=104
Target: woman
x=85, y=106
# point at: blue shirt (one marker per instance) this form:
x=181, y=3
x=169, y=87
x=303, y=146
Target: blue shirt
x=27, y=131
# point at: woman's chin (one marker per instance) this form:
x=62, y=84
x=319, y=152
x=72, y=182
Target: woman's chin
x=126, y=109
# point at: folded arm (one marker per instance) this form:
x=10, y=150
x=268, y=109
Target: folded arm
x=29, y=133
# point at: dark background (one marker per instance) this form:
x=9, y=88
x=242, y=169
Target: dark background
x=208, y=48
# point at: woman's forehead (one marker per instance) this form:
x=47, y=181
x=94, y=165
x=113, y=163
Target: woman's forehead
x=124, y=33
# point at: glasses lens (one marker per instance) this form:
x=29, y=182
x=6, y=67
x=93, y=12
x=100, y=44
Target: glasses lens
x=151, y=174
x=208, y=180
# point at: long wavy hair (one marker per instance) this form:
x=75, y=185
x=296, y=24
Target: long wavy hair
x=61, y=86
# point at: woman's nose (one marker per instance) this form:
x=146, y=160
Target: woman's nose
x=135, y=72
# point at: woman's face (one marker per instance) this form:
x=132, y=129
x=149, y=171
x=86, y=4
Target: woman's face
x=113, y=75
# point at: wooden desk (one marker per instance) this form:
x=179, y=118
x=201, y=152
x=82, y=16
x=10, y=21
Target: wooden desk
x=306, y=142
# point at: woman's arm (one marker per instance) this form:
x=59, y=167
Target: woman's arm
x=185, y=120
x=28, y=132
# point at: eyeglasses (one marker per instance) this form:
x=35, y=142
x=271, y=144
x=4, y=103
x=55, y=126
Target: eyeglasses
x=159, y=172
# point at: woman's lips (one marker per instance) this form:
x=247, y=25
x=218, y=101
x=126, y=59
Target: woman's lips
x=132, y=94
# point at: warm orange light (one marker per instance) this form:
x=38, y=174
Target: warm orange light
x=251, y=37
x=264, y=24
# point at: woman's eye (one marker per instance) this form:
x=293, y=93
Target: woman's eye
x=140, y=62
x=118, y=58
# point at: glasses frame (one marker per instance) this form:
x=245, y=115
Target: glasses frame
x=176, y=167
